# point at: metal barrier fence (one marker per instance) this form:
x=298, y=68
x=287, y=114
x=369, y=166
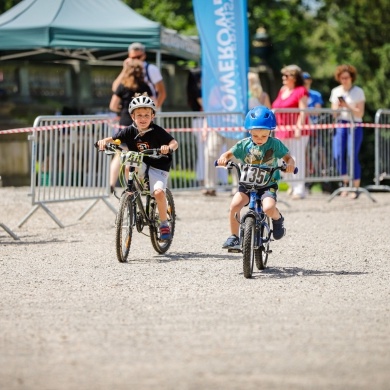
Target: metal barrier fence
x=312, y=150
x=382, y=150
x=65, y=165
x=202, y=137
x=310, y=135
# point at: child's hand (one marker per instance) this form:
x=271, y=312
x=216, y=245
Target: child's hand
x=290, y=168
x=222, y=161
x=165, y=149
x=101, y=144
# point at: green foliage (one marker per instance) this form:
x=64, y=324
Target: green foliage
x=174, y=14
x=5, y=5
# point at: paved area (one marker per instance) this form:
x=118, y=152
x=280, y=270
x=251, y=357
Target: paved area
x=72, y=317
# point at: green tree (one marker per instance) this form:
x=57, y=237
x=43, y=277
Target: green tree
x=5, y=5
x=174, y=14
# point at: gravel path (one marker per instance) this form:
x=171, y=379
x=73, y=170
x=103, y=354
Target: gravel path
x=72, y=317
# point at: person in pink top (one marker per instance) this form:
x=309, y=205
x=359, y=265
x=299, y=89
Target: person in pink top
x=291, y=125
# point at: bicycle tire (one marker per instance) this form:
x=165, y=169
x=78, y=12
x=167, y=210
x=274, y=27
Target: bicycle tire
x=159, y=245
x=124, y=224
x=248, y=247
x=261, y=254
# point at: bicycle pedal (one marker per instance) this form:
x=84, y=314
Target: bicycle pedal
x=235, y=249
x=268, y=252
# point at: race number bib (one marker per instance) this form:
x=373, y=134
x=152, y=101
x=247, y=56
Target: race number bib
x=253, y=175
x=134, y=159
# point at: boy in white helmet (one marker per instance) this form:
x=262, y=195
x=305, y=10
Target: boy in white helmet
x=144, y=134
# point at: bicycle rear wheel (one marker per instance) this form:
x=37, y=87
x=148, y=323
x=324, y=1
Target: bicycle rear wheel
x=125, y=220
x=261, y=254
x=159, y=245
x=248, y=248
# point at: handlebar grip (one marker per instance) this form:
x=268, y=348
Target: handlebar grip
x=216, y=163
x=295, y=170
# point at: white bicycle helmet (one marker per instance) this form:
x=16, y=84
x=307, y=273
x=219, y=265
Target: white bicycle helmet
x=141, y=102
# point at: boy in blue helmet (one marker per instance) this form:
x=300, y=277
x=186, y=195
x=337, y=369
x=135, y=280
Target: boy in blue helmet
x=260, y=149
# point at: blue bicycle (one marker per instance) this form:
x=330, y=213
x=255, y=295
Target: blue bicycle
x=255, y=228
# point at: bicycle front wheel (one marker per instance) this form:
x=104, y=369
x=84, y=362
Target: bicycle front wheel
x=248, y=248
x=125, y=220
x=261, y=254
x=161, y=246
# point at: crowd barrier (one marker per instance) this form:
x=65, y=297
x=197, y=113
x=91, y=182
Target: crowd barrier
x=65, y=166
x=382, y=150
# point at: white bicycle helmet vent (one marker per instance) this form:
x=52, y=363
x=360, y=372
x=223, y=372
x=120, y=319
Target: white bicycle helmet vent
x=141, y=102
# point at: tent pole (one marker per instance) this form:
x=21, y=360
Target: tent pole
x=158, y=59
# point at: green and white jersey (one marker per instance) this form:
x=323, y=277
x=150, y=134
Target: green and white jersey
x=247, y=152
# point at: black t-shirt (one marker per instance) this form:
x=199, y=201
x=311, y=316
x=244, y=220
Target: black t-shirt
x=126, y=95
x=152, y=139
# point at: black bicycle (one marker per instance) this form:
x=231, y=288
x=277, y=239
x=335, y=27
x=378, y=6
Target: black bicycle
x=137, y=207
x=255, y=227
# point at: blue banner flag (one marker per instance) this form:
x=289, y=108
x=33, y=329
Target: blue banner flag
x=223, y=32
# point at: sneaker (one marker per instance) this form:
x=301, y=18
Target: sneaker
x=165, y=233
x=231, y=242
x=278, y=229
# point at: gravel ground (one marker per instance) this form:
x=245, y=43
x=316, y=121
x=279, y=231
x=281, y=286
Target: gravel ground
x=72, y=317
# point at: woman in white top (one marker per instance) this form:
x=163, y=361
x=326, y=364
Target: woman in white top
x=350, y=98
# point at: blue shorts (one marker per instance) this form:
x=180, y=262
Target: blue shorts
x=269, y=192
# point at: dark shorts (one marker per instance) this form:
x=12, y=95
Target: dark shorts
x=269, y=192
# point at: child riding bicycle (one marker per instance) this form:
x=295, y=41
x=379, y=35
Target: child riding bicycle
x=258, y=149
x=144, y=134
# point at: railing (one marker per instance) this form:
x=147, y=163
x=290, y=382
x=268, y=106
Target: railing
x=65, y=166
x=382, y=150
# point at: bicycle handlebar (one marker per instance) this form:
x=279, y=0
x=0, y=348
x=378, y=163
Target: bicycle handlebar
x=267, y=168
x=271, y=170
x=154, y=153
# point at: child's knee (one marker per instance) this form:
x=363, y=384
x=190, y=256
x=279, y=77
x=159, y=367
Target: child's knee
x=158, y=193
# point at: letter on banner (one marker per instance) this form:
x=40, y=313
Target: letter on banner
x=223, y=31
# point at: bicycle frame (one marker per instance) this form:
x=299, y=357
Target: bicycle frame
x=256, y=211
x=255, y=207
x=137, y=187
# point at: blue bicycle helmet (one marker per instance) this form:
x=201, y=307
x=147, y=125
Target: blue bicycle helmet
x=260, y=117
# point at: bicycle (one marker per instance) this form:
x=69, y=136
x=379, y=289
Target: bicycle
x=133, y=210
x=255, y=231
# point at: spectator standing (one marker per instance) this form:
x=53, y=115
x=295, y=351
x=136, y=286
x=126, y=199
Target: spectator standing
x=194, y=99
x=194, y=89
x=349, y=98
x=256, y=94
x=315, y=98
x=152, y=74
x=293, y=94
x=132, y=82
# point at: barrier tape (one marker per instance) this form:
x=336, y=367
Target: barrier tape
x=193, y=129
